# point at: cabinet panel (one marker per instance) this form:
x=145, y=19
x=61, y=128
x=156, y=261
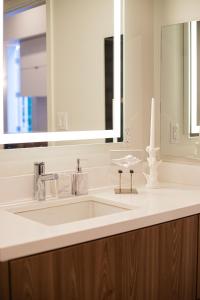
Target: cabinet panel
x=178, y=259
x=161, y=261
x=140, y=264
x=87, y=271
x=154, y=263
x=4, y=281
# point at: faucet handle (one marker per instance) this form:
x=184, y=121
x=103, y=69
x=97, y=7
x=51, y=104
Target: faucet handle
x=78, y=164
x=39, y=168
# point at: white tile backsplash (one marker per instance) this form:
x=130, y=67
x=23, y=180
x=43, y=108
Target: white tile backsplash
x=188, y=174
x=20, y=188
x=101, y=172
x=16, y=188
x=16, y=176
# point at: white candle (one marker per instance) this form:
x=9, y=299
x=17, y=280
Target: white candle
x=153, y=125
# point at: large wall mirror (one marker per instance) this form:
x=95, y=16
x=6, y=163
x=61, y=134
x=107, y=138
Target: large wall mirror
x=62, y=71
x=180, y=90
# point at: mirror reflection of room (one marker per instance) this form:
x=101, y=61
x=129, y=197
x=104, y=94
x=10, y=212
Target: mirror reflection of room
x=180, y=93
x=25, y=61
x=59, y=66
x=78, y=63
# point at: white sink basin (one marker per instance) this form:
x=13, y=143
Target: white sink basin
x=72, y=210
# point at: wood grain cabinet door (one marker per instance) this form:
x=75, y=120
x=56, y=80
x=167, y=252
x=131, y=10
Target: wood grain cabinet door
x=178, y=246
x=198, y=271
x=84, y=272
x=154, y=263
x=4, y=281
x=160, y=262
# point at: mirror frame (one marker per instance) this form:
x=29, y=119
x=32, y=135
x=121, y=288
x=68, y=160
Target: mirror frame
x=115, y=133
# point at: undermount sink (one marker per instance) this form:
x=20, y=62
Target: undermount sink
x=71, y=211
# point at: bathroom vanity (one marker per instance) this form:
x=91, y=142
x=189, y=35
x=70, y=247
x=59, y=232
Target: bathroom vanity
x=158, y=262
x=149, y=251
x=130, y=247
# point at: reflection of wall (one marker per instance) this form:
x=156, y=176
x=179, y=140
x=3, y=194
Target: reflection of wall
x=33, y=66
x=39, y=114
x=171, y=12
x=32, y=36
x=79, y=31
x=25, y=24
x=172, y=85
x=17, y=5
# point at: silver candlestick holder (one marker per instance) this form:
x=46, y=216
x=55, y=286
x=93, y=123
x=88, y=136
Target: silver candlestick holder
x=153, y=163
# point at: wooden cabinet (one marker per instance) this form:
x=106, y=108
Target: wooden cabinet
x=153, y=263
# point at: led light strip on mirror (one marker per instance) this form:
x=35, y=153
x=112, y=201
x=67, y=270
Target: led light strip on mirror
x=71, y=135
x=194, y=128
x=1, y=70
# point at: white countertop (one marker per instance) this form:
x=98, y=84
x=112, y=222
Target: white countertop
x=22, y=237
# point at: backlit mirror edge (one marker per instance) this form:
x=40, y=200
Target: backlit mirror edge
x=71, y=135
x=1, y=69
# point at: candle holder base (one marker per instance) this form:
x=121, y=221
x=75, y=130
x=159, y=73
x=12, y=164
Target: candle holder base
x=153, y=186
x=152, y=177
x=125, y=191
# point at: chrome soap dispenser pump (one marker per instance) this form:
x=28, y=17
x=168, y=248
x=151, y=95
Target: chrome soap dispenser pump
x=80, y=180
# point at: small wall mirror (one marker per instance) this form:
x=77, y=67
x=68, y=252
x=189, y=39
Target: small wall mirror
x=62, y=71
x=180, y=91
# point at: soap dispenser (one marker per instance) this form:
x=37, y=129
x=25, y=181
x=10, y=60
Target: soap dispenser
x=80, y=181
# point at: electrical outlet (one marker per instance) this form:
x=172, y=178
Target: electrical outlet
x=127, y=135
x=62, y=121
x=174, y=133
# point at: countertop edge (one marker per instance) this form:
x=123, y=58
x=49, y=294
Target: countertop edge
x=70, y=239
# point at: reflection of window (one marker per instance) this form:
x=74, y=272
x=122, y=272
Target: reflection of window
x=19, y=108
x=25, y=94
x=25, y=77
x=25, y=114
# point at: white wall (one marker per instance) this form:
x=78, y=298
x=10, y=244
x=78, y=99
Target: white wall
x=177, y=11
x=138, y=69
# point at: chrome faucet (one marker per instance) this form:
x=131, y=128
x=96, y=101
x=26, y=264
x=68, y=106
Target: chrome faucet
x=40, y=179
